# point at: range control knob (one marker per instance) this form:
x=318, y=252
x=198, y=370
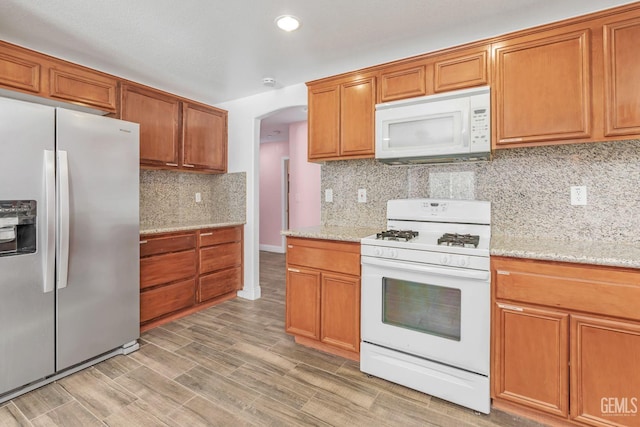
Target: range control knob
x=377, y=251
x=445, y=260
x=393, y=253
x=463, y=261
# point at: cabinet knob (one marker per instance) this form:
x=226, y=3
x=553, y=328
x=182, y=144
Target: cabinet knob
x=206, y=234
x=293, y=270
x=175, y=165
x=290, y=246
x=188, y=166
x=142, y=242
x=503, y=273
x=510, y=307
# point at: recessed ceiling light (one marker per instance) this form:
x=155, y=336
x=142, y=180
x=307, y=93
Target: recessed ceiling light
x=287, y=23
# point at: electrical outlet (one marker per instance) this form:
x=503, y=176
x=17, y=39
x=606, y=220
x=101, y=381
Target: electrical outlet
x=362, y=195
x=328, y=195
x=578, y=195
x=198, y=198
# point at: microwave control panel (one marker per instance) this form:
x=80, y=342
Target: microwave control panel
x=480, y=124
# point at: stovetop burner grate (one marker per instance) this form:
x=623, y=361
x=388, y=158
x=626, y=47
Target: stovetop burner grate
x=455, y=239
x=405, y=235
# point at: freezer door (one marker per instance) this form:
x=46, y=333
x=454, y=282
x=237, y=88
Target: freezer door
x=26, y=311
x=98, y=251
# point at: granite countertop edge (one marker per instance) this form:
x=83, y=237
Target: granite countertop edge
x=571, y=251
x=346, y=234
x=188, y=227
x=540, y=248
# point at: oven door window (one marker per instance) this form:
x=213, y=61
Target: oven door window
x=429, y=309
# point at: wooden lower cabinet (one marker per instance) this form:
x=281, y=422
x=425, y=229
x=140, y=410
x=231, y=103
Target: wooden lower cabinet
x=323, y=295
x=184, y=272
x=566, y=342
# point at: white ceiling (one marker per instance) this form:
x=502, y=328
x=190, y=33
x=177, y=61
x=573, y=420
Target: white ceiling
x=218, y=50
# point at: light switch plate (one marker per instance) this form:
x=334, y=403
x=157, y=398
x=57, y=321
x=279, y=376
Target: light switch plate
x=328, y=195
x=362, y=195
x=198, y=197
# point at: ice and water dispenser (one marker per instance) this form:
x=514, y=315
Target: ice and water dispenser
x=17, y=227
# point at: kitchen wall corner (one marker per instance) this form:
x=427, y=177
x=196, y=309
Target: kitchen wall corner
x=168, y=198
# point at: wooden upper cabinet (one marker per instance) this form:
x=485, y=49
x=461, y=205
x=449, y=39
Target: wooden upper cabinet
x=37, y=74
x=542, y=87
x=605, y=378
x=204, y=136
x=405, y=80
x=19, y=69
x=357, y=108
x=461, y=69
x=324, y=122
x=78, y=85
x=341, y=118
x=159, y=117
x=621, y=70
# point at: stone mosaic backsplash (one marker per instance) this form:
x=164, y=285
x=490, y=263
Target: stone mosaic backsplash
x=529, y=189
x=168, y=198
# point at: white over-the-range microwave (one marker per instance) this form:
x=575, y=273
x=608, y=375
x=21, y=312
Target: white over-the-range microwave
x=447, y=127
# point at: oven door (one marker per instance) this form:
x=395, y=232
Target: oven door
x=437, y=313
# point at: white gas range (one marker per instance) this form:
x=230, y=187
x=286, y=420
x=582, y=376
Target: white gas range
x=425, y=299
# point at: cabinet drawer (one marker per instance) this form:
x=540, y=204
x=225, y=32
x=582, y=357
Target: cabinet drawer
x=340, y=257
x=219, y=283
x=166, y=299
x=160, y=245
x=19, y=71
x=601, y=290
x=167, y=268
x=219, y=257
x=220, y=235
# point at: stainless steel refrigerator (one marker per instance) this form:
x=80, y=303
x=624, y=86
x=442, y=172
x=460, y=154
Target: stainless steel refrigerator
x=69, y=242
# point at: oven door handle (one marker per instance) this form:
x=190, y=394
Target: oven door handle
x=425, y=268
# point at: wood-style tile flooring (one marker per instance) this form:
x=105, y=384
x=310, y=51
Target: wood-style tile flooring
x=233, y=365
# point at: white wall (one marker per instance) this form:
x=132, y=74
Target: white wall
x=244, y=156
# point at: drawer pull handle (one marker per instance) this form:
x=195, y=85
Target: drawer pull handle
x=290, y=246
x=503, y=273
x=142, y=242
x=293, y=270
x=510, y=307
x=175, y=165
x=205, y=234
x=188, y=166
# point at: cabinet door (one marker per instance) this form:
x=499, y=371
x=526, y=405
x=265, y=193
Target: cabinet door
x=19, y=69
x=531, y=357
x=357, y=107
x=622, y=86
x=543, y=88
x=204, y=138
x=158, y=116
x=324, y=122
x=605, y=379
x=458, y=70
x=83, y=86
x=340, y=311
x=303, y=302
x=403, y=81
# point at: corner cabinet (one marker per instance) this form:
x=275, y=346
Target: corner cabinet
x=341, y=118
x=175, y=133
x=184, y=272
x=564, y=339
x=323, y=295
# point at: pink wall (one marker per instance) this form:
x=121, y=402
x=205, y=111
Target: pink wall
x=304, y=191
x=271, y=155
x=304, y=194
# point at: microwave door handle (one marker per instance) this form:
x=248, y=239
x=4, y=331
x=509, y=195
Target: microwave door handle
x=426, y=269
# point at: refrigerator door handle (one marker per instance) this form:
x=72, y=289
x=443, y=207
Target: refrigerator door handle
x=48, y=269
x=63, y=219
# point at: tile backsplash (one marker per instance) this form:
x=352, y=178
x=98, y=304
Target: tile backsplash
x=168, y=198
x=529, y=189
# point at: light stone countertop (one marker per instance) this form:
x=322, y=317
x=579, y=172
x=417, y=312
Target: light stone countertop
x=348, y=234
x=581, y=252
x=169, y=228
